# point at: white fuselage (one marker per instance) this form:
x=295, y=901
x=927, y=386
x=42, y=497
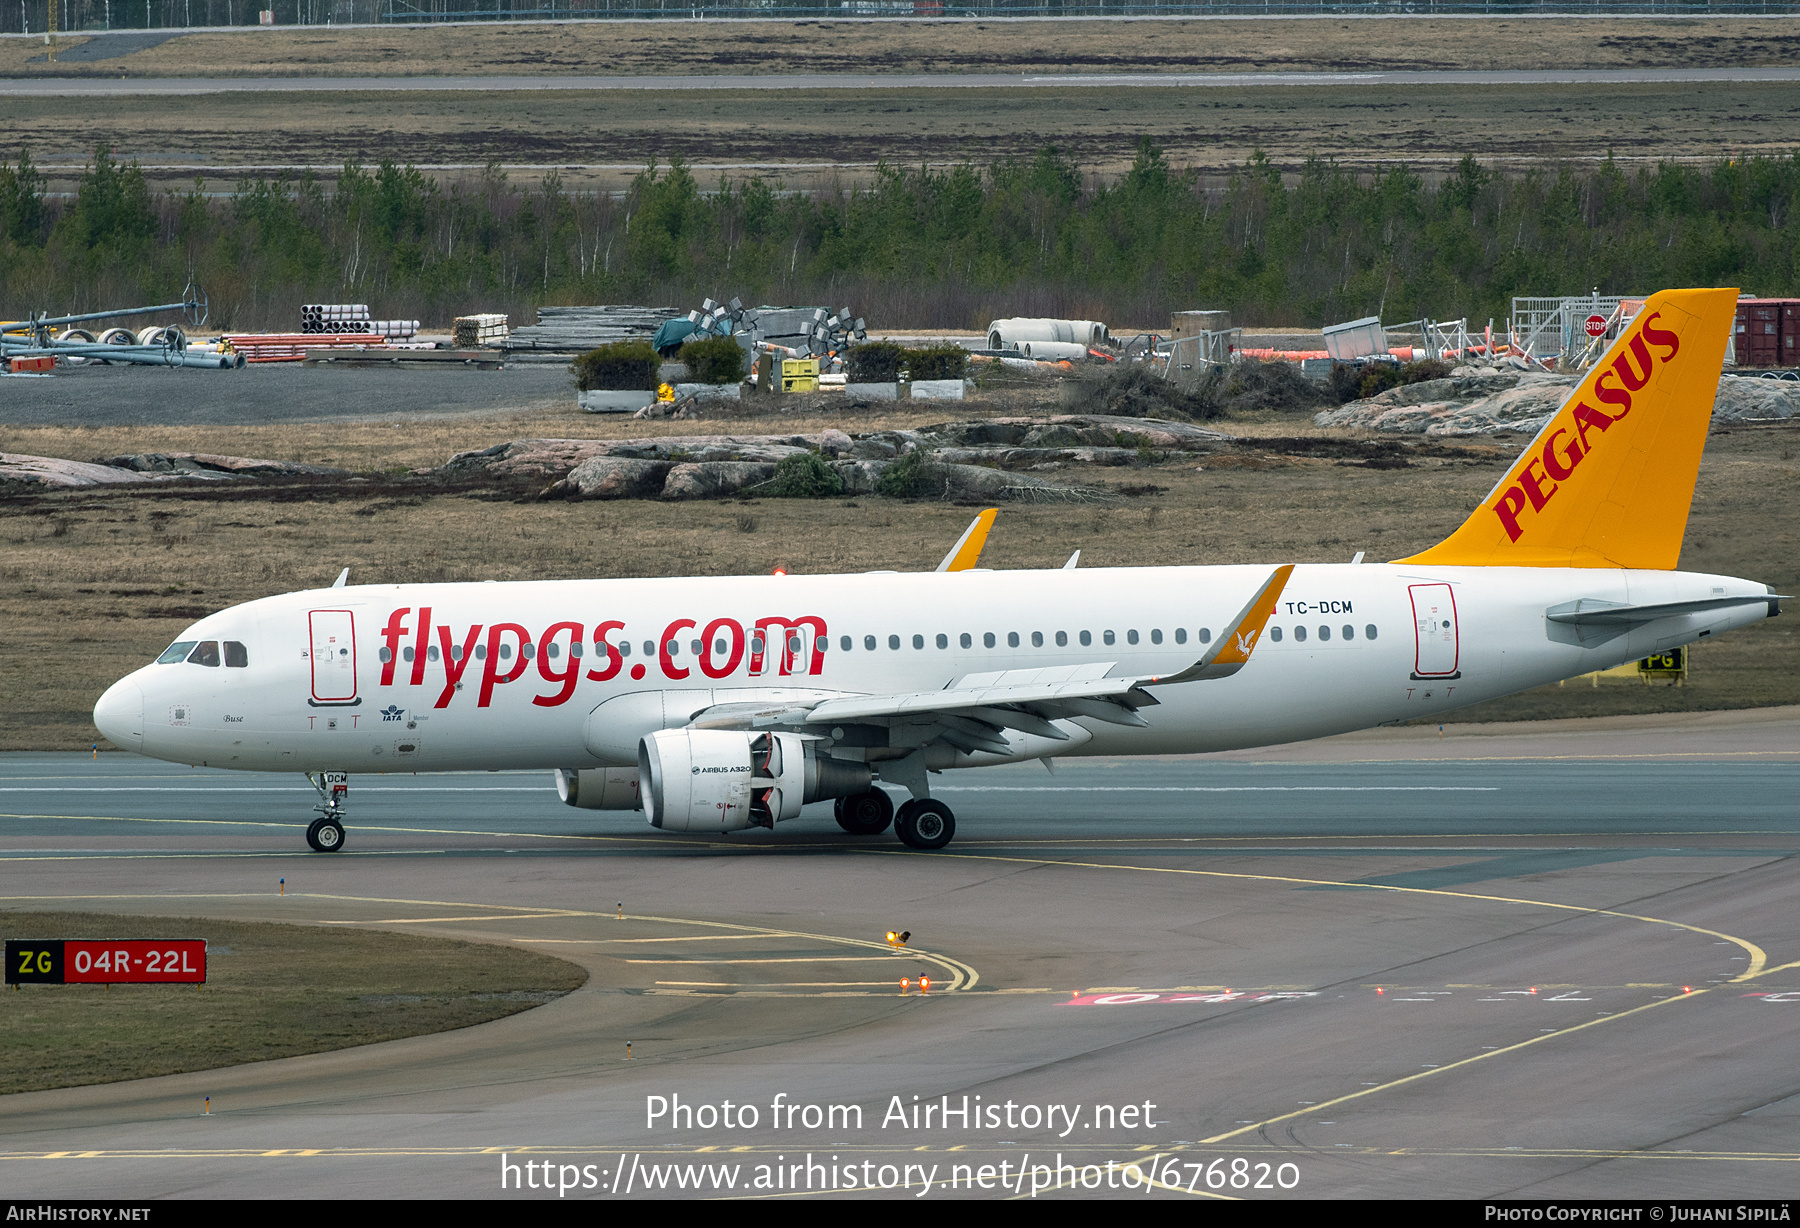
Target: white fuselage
x=1381, y=643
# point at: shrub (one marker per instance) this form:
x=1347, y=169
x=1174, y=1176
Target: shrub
x=910, y=477
x=1378, y=377
x=714, y=360
x=803, y=475
x=938, y=362
x=878, y=362
x=623, y=366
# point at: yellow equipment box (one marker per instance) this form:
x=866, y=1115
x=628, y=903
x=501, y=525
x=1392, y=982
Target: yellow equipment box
x=799, y=375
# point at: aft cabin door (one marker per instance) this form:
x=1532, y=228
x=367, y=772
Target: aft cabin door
x=1434, y=622
x=333, y=656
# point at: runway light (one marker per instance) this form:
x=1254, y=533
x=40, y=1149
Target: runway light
x=905, y=984
x=1379, y=989
x=621, y=907
x=628, y=1051
x=897, y=939
x=208, y=1110
x=1534, y=989
x=284, y=886
x=924, y=985
x=779, y=571
x=1687, y=989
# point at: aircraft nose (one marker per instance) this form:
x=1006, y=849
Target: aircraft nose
x=119, y=715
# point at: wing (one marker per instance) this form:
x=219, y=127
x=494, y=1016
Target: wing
x=1008, y=713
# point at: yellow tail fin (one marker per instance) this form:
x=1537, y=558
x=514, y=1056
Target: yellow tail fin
x=1609, y=480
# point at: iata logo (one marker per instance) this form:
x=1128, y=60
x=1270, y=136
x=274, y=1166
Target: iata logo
x=1579, y=426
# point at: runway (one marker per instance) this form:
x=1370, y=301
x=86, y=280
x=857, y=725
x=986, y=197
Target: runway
x=1551, y=961
x=95, y=87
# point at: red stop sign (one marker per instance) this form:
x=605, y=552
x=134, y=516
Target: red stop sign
x=1595, y=325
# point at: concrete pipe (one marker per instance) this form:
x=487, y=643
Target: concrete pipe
x=75, y=334
x=1012, y=334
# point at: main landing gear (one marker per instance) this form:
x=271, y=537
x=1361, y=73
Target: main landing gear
x=920, y=823
x=326, y=833
x=924, y=823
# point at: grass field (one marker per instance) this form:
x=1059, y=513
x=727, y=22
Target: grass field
x=808, y=138
x=95, y=584
x=1099, y=45
x=271, y=991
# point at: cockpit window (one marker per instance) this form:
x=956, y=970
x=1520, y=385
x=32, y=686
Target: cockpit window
x=237, y=656
x=205, y=653
x=176, y=652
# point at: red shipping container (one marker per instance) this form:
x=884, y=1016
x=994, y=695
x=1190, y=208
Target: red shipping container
x=1761, y=325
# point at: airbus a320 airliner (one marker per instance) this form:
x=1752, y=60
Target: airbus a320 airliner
x=722, y=703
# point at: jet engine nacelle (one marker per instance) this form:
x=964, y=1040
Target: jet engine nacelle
x=599, y=788
x=726, y=780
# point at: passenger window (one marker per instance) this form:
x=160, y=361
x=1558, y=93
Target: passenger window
x=1037, y=639
x=1086, y=638
x=673, y=648
x=965, y=641
x=575, y=649
x=406, y=654
x=844, y=643
x=1106, y=637
x=176, y=652
x=528, y=650
x=719, y=647
x=238, y=657
x=555, y=650
x=987, y=639
x=1205, y=634
x=1180, y=635
x=943, y=641
x=893, y=643
x=481, y=652
x=869, y=643
x=456, y=652
x=793, y=643
x=695, y=646
x=1275, y=634
x=1012, y=639
x=206, y=652
x=625, y=646
x=1131, y=637
x=918, y=641
x=1324, y=633
x=1369, y=631
x=1349, y=632
x=1156, y=635
x=1299, y=635
x=821, y=644
x=649, y=648
x=1062, y=639
x=384, y=656
x=505, y=652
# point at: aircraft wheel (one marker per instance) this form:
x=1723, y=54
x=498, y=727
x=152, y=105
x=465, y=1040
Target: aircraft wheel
x=865, y=814
x=925, y=824
x=325, y=835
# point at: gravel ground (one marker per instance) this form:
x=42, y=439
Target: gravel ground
x=273, y=392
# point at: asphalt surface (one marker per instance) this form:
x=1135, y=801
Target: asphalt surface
x=66, y=87
x=1548, y=962
x=274, y=392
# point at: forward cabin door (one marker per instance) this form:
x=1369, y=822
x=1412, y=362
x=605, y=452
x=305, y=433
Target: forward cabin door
x=333, y=656
x=1434, y=625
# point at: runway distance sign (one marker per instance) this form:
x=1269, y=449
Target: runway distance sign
x=106, y=961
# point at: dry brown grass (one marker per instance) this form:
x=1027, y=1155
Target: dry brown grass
x=95, y=584
x=271, y=991
x=598, y=139
x=1100, y=45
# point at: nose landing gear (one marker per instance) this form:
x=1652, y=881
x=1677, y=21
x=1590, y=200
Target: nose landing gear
x=326, y=833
